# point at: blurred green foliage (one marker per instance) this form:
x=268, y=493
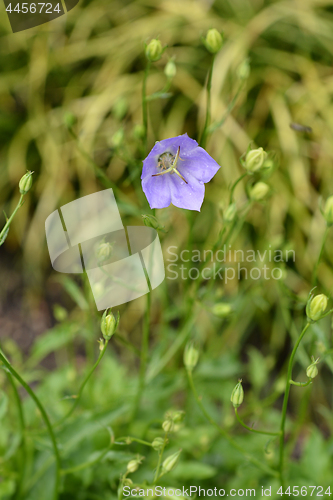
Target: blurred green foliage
x=70, y=110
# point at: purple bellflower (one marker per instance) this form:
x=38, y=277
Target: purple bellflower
x=175, y=171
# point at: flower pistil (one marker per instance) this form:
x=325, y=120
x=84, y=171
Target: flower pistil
x=168, y=163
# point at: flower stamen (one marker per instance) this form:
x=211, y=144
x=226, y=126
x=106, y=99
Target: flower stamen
x=168, y=163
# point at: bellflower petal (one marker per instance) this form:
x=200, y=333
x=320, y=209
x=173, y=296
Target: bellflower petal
x=168, y=177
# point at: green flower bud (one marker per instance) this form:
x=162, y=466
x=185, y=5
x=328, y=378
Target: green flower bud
x=168, y=425
x=316, y=307
x=191, y=356
x=104, y=251
x=243, y=70
x=170, y=462
x=213, y=41
x=118, y=138
x=328, y=211
x=120, y=108
x=170, y=69
x=25, y=183
x=151, y=221
x=154, y=50
x=222, y=310
x=127, y=481
x=109, y=324
x=176, y=416
x=138, y=131
x=69, y=119
x=230, y=213
x=158, y=444
x=237, y=395
x=254, y=160
x=133, y=465
x=312, y=370
x=259, y=191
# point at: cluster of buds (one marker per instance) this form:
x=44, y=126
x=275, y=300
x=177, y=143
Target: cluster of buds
x=109, y=324
x=133, y=465
x=25, y=183
x=315, y=307
x=237, y=395
x=312, y=370
x=191, y=356
x=172, y=418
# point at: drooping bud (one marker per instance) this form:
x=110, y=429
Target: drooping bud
x=213, y=41
x=25, y=183
x=222, y=309
x=259, y=191
x=151, y=221
x=230, y=213
x=104, y=251
x=254, y=160
x=312, y=370
x=170, y=462
x=237, y=395
x=316, y=307
x=170, y=69
x=168, y=425
x=109, y=324
x=328, y=211
x=158, y=444
x=191, y=356
x=154, y=50
x=133, y=465
x=243, y=70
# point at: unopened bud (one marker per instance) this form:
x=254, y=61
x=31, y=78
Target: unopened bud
x=69, y=119
x=259, y=191
x=328, y=211
x=151, y=221
x=213, y=41
x=254, y=160
x=170, y=69
x=120, y=108
x=154, y=50
x=109, y=324
x=168, y=425
x=170, y=462
x=127, y=481
x=138, y=131
x=222, y=310
x=133, y=465
x=191, y=356
x=118, y=138
x=230, y=213
x=237, y=395
x=25, y=183
x=312, y=370
x=316, y=307
x=158, y=444
x=104, y=251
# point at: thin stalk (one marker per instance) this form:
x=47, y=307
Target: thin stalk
x=301, y=384
x=223, y=433
x=22, y=435
x=254, y=430
x=204, y=135
x=145, y=107
x=6, y=226
x=285, y=403
x=143, y=357
x=89, y=374
x=157, y=472
x=315, y=269
x=44, y=417
x=129, y=439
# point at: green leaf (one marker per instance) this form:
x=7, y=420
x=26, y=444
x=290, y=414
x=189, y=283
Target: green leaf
x=191, y=469
x=74, y=291
x=3, y=404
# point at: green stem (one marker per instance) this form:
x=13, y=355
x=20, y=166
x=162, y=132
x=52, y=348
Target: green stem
x=143, y=357
x=44, y=417
x=230, y=107
x=130, y=439
x=204, y=135
x=6, y=226
x=223, y=433
x=22, y=434
x=234, y=187
x=145, y=107
x=285, y=403
x=254, y=430
x=301, y=384
x=315, y=270
x=157, y=472
x=89, y=374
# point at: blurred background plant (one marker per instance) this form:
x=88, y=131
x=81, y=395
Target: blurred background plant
x=71, y=112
